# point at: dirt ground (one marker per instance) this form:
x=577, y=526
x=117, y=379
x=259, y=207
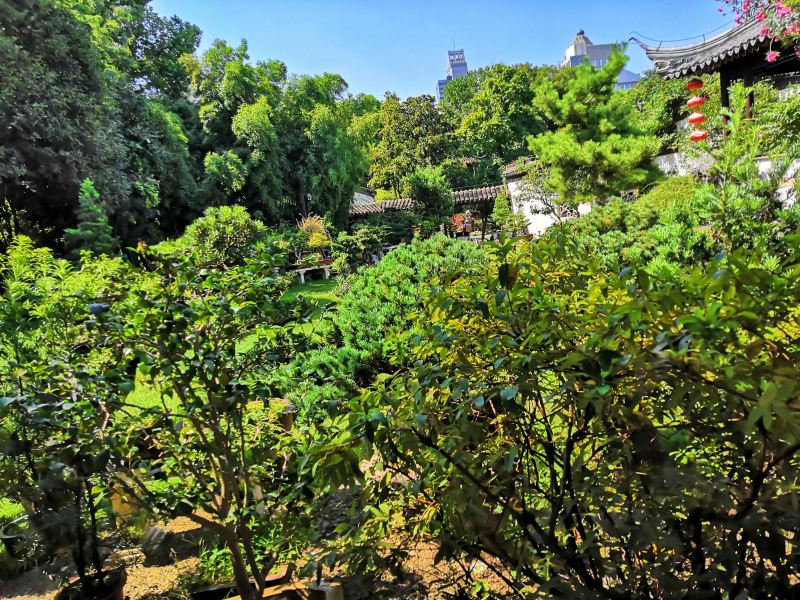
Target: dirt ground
x=143, y=582
x=423, y=579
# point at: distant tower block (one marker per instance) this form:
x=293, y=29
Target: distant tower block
x=456, y=67
x=583, y=50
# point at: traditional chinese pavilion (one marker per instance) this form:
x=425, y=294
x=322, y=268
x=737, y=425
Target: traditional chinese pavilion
x=738, y=54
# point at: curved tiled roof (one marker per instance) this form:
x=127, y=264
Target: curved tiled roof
x=460, y=197
x=478, y=194
x=710, y=55
x=517, y=169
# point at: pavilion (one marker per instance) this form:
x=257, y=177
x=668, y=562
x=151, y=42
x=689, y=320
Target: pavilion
x=738, y=54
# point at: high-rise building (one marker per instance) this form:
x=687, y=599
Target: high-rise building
x=582, y=49
x=456, y=67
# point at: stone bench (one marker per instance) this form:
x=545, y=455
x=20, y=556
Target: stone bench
x=302, y=271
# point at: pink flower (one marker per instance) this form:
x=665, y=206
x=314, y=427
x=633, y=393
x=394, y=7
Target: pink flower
x=763, y=31
x=772, y=56
x=761, y=17
x=781, y=9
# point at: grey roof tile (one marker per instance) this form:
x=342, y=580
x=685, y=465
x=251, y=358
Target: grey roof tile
x=709, y=55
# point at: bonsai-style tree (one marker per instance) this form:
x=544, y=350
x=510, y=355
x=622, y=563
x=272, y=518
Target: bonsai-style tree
x=352, y=250
x=224, y=236
x=315, y=230
x=504, y=217
x=595, y=151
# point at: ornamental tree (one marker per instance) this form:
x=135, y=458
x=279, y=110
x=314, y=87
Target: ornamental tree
x=430, y=192
x=223, y=237
x=206, y=343
x=595, y=150
x=413, y=133
x=496, y=121
x=504, y=216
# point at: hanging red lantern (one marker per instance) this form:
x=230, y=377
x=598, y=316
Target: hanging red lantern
x=699, y=135
x=697, y=118
x=694, y=84
x=696, y=102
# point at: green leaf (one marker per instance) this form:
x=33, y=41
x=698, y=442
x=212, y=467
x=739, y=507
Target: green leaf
x=508, y=393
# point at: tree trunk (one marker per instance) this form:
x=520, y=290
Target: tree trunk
x=303, y=208
x=240, y=572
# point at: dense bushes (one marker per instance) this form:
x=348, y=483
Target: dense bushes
x=223, y=236
x=622, y=231
x=380, y=300
x=353, y=250
x=599, y=434
x=682, y=222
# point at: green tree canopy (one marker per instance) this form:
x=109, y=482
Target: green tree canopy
x=498, y=118
x=429, y=190
x=54, y=134
x=412, y=133
x=595, y=150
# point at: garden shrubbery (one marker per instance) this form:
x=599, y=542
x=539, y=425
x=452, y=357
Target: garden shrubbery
x=377, y=306
x=597, y=434
x=607, y=411
x=622, y=231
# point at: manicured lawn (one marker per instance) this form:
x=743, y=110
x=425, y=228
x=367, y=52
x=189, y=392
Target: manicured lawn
x=321, y=290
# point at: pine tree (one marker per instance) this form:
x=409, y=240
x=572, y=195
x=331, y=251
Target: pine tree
x=596, y=150
x=504, y=217
x=93, y=231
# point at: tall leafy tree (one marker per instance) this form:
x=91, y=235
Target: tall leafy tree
x=412, y=133
x=56, y=128
x=87, y=88
x=596, y=150
x=144, y=79
x=428, y=188
x=496, y=121
x=284, y=146
x=136, y=42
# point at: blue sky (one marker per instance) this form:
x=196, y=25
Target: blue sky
x=378, y=45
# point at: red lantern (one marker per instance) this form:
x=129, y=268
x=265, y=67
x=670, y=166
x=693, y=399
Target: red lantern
x=697, y=118
x=694, y=84
x=699, y=135
x=696, y=102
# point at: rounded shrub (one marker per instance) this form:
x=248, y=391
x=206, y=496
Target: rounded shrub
x=380, y=300
x=224, y=236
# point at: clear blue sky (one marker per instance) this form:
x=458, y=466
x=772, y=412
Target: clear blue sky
x=378, y=45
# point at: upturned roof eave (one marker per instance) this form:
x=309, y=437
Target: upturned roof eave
x=707, y=56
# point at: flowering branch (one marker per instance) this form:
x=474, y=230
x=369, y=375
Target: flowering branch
x=780, y=21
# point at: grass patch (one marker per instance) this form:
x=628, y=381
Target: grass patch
x=10, y=510
x=320, y=290
x=145, y=395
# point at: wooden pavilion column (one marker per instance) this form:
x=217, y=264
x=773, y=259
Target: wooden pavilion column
x=725, y=81
x=726, y=77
